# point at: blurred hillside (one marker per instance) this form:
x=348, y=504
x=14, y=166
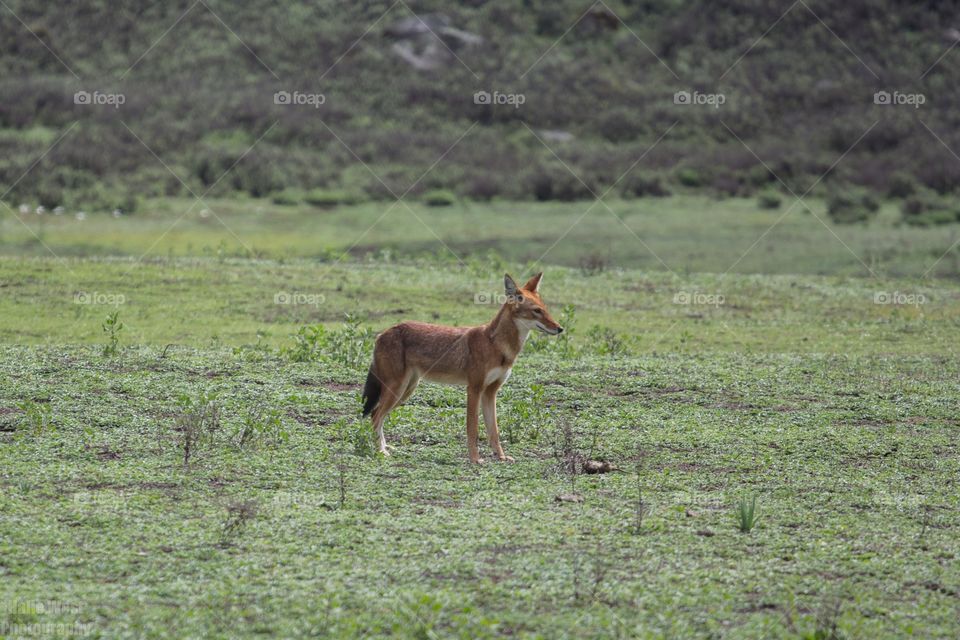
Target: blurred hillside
x=199, y=85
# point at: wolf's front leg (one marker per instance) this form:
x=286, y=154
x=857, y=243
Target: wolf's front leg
x=473, y=411
x=489, y=405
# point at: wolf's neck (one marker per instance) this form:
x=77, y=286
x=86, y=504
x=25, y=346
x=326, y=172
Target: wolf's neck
x=505, y=333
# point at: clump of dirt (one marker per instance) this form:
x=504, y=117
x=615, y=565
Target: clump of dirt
x=592, y=467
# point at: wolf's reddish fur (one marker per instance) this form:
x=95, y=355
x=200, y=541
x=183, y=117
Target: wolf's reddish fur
x=479, y=358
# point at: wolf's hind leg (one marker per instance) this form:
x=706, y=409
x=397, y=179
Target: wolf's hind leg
x=388, y=401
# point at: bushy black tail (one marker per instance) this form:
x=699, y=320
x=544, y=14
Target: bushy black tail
x=371, y=392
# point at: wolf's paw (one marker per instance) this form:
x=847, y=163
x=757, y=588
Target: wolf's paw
x=506, y=458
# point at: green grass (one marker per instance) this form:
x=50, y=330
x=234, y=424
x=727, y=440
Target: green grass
x=838, y=414
x=683, y=234
x=208, y=302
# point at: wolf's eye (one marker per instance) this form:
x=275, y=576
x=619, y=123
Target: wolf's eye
x=537, y=312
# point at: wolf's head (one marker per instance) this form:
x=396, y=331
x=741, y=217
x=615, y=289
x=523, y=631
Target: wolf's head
x=527, y=308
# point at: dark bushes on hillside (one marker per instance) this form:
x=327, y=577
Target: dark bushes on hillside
x=851, y=206
x=927, y=209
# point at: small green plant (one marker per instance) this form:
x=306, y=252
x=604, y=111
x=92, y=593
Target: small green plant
x=253, y=352
x=112, y=326
x=349, y=344
x=606, y=342
x=308, y=344
x=355, y=436
x=826, y=622
x=239, y=514
x=568, y=458
x=352, y=343
x=37, y=417
x=747, y=514
x=197, y=424
x=529, y=412
x=261, y=425
x=439, y=198
x=420, y=618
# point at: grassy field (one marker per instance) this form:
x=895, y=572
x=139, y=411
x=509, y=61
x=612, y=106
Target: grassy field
x=682, y=234
x=829, y=400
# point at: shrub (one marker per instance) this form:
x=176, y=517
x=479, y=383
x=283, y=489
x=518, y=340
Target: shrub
x=256, y=179
x=620, y=124
x=726, y=183
x=645, y=186
x=439, y=198
x=606, y=342
x=308, y=344
x=927, y=209
x=483, y=188
x=49, y=196
x=851, y=206
x=938, y=170
x=325, y=198
x=901, y=185
x=542, y=187
x=127, y=204
x=769, y=200
x=286, y=198
x=689, y=177
x=559, y=185
x=197, y=423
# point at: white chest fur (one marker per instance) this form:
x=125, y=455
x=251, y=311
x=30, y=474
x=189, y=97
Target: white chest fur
x=497, y=373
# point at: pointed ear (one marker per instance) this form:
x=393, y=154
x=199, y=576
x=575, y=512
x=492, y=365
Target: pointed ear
x=533, y=284
x=510, y=287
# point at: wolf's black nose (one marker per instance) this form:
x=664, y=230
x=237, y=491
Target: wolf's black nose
x=559, y=330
